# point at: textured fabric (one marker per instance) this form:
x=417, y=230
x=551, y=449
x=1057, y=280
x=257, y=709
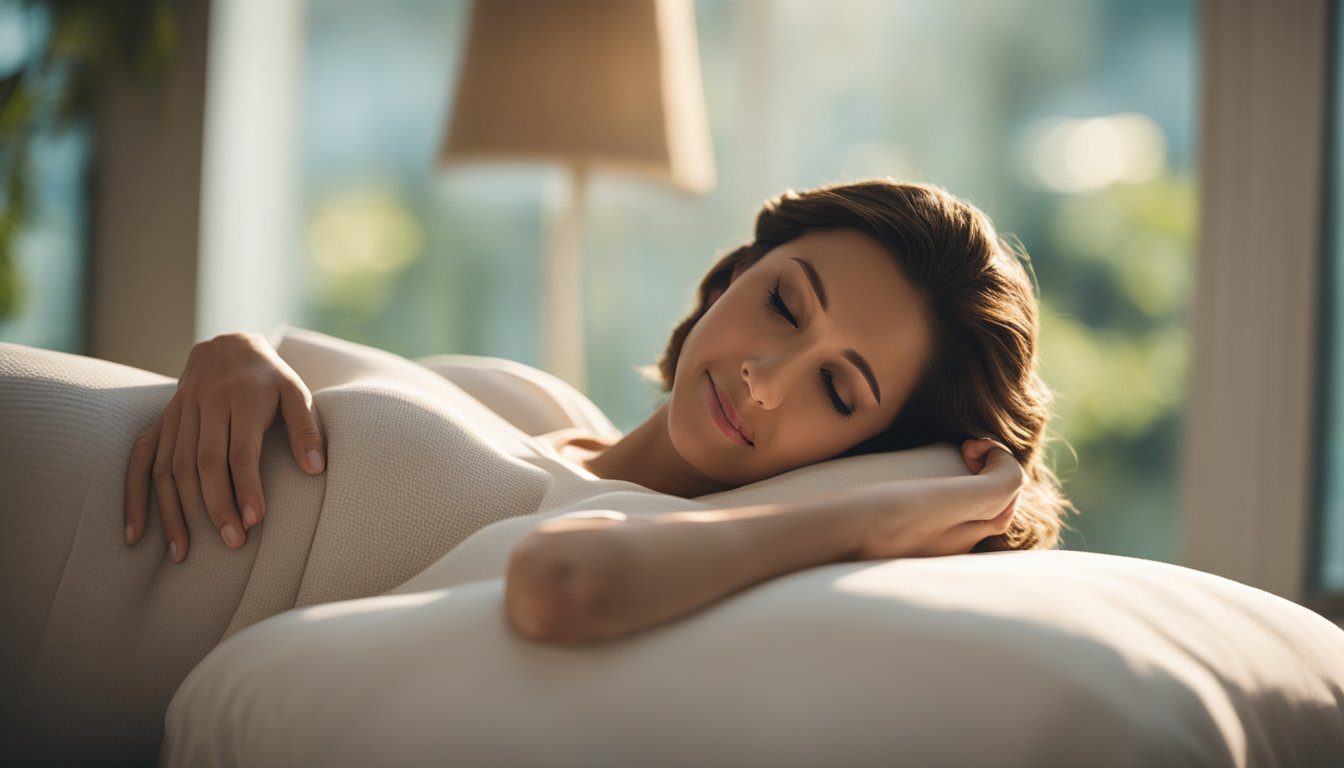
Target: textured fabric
x=95, y=636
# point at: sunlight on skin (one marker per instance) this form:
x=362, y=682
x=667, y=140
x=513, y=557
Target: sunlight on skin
x=578, y=521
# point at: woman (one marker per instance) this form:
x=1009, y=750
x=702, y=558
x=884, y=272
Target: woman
x=863, y=317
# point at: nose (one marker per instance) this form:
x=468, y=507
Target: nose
x=768, y=377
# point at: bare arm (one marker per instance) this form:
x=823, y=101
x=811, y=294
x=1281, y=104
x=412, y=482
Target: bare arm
x=584, y=580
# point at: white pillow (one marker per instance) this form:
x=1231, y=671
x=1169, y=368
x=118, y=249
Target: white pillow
x=529, y=398
x=1043, y=658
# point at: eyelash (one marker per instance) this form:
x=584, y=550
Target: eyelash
x=776, y=304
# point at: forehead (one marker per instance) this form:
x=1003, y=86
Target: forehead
x=873, y=308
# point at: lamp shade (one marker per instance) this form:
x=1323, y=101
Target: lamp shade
x=590, y=83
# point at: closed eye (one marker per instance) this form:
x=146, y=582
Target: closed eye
x=776, y=304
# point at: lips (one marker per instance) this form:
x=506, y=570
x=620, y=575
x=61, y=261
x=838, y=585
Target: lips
x=725, y=410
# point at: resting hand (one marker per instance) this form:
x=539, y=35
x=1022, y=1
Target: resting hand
x=948, y=515
x=204, y=451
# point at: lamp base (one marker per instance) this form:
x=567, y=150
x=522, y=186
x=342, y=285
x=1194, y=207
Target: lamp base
x=562, y=347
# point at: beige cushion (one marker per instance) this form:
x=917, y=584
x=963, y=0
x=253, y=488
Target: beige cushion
x=1042, y=658
x=530, y=399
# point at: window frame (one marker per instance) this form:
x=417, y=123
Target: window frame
x=1329, y=602
x=1252, y=469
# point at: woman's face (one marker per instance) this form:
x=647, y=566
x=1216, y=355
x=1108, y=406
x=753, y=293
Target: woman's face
x=791, y=387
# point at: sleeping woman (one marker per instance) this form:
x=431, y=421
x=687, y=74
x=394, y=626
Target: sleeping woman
x=863, y=317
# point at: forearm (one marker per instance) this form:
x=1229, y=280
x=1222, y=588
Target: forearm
x=582, y=580
x=614, y=577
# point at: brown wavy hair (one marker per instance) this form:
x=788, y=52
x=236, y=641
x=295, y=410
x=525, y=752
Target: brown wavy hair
x=981, y=379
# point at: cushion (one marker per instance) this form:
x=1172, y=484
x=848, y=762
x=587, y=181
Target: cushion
x=530, y=399
x=1042, y=658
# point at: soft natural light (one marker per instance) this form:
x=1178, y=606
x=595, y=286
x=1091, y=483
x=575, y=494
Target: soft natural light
x=1074, y=156
x=365, y=230
x=340, y=608
x=249, y=180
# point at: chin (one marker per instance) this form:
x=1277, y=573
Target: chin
x=704, y=449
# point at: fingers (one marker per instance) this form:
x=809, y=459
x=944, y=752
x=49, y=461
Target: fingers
x=972, y=455
x=165, y=492
x=997, y=525
x=213, y=460
x=977, y=453
x=137, y=481
x=246, y=431
x=974, y=451
x=185, y=474
x=963, y=538
x=1000, y=523
x=1004, y=465
x=305, y=438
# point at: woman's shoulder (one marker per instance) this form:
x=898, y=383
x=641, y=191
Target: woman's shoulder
x=579, y=437
x=575, y=446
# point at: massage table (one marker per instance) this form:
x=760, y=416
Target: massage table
x=363, y=624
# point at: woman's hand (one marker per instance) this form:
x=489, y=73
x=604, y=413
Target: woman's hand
x=204, y=452
x=948, y=515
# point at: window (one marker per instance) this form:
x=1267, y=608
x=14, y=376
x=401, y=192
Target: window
x=1329, y=549
x=1070, y=123
x=43, y=280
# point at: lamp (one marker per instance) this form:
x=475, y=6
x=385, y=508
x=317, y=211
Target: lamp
x=587, y=84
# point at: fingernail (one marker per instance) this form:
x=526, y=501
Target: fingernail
x=130, y=535
x=173, y=552
x=315, y=461
x=249, y=516
x=231, y=536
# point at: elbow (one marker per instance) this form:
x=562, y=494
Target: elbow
x=549, y=593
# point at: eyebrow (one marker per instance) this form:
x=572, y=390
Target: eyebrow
x=851, y=354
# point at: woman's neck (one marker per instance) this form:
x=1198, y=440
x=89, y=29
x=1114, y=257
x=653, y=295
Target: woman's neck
x=647, y=457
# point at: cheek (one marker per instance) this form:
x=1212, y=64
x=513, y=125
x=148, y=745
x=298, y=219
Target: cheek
x=812, y=434
x=712, y=330
x=684, y=414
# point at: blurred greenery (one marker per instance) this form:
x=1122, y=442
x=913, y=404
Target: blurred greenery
x=74, y=48
x=1121, y=372
x=1117, y=354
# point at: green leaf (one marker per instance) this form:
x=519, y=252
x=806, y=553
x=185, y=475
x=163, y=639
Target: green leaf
x=12, y=290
